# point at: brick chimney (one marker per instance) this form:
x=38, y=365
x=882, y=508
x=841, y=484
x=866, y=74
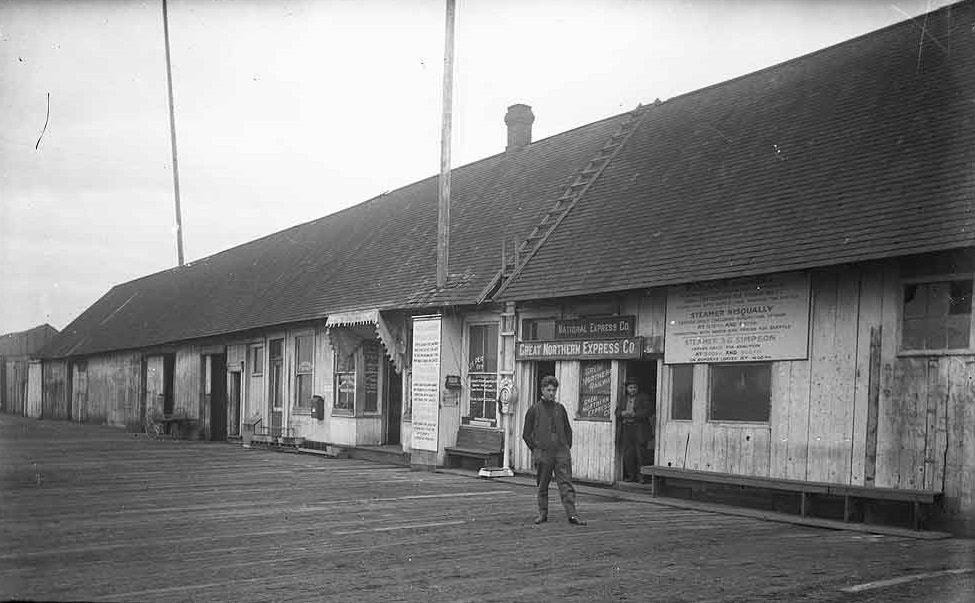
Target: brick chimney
x=519, y=119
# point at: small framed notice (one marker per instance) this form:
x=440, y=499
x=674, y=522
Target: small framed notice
x=595, y=390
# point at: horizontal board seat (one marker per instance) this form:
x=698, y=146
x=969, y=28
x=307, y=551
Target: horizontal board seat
x=475, y=442
x=850, y=493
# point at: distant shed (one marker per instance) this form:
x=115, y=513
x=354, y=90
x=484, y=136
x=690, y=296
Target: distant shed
x=15, y=351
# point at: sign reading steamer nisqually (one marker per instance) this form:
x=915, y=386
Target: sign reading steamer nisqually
x=742, y=320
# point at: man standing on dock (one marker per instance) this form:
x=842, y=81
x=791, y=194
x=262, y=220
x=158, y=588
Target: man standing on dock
x=548, y=434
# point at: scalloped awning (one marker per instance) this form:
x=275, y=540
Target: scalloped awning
x=347, y=331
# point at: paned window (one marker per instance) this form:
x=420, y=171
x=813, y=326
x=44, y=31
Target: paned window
x=304, y=369
x=937, y=315
x=681, y=391
x=741, y=392
x=257, y=360
x=537, y=329
x=482, y=370
x=345, y=384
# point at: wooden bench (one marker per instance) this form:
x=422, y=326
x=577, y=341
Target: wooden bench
x=481, y=443
x=919, y=499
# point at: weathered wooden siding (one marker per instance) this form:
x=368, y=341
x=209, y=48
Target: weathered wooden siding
x=255, y=391
x=857, y=411
x=303, y=424
x=54, y=404
x=832, y=349
x=594, y=455
x=188, y=382
x=15, y=387
x=521, y=456
x=35, y=389
x=451, y=358
x=155, y=385
x=593, y=448
x=115, y=389
x=79, y=391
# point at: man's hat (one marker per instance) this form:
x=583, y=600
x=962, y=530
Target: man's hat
x=630, y=381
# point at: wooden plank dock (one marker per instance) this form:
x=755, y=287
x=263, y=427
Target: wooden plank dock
x=93, y=513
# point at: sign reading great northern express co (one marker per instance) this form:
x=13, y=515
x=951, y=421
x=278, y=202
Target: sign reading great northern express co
x=580, y=349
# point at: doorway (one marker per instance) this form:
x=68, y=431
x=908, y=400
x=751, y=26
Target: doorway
x=543, y=368
x=218, y=397
x=275, y=398
x=169, y=379
x=233, y=404
x=645, y=373
x=392, y=402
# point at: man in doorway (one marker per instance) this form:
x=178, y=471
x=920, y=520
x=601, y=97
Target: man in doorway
x=633, y=421
x=548, y=434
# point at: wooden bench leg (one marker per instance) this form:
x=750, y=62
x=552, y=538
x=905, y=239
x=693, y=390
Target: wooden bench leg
x=846, y=508
x=802, y=504
x=916, y=515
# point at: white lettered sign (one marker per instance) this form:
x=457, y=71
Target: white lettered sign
x=425, y=388
x=740, y=320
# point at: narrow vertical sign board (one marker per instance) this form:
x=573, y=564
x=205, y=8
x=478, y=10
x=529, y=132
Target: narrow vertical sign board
x=425, y=388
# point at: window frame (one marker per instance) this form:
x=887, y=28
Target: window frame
x=767, y=365
x=925, y=279
x=257, y=368
x=486, y=375
x=304, y=406
x=336, y=392
x=673, y=391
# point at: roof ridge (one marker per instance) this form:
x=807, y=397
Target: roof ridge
x=571, y=194
x=803, y=57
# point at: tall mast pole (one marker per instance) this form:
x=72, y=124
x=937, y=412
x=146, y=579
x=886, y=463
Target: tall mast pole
x=172, y=136
x=443, y=221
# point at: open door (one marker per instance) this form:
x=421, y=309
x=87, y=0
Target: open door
x=392, y=403
x=218, y=397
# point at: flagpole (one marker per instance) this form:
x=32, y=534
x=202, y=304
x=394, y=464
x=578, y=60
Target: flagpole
x=172, y=135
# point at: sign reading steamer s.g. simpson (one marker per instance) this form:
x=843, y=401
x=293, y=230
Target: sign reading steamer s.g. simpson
x=752, y=319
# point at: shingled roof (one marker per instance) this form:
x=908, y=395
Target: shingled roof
x=861, y=151
x=376, y=255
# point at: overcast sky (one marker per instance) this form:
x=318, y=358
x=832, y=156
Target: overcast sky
x=288, y=111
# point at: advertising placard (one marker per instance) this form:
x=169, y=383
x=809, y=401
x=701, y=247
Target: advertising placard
x=741, y=320
x=425, y=386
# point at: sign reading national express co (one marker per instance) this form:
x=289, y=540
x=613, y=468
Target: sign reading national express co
x=580, y=349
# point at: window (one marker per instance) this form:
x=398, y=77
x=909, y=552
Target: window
x=345, y=384
x=681, y=391
x=482, y=370
x=257, y=360
x=304, y=369
x=537, y=329
x=370, y=361
x=937, y=315
x=741, y=392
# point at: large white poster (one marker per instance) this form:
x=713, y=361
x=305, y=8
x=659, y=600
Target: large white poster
x=761, y=318
x=425, y=389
